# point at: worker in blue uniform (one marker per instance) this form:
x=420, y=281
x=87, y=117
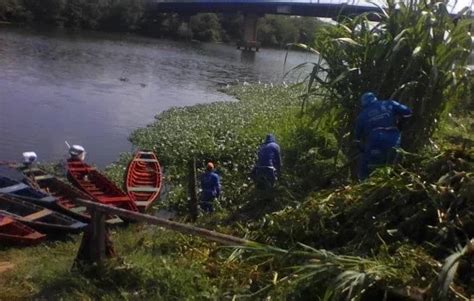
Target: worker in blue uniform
x=377, y=132
x=211, y=188
x=268, y=166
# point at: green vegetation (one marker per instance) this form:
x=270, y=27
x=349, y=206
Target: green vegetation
x=226, y=133
x=391, y=231
x=282, y=30
x=417, y=54
x=406, y=233
x=139, y=16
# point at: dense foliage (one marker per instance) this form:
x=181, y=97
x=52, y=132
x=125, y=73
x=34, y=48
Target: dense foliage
x=226, y=133
x=140, y=16
x=417, y=54
x=282, y=30
x=380, y=236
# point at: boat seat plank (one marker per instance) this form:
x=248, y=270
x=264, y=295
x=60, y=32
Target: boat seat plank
x=32, y=169
x=43, y=177
x=78, y=209
x=78, y=225
x=142, y=189
x=145, y=153
x=48, y=199
x=37, y=215
x=142, y=203
x=146, y=160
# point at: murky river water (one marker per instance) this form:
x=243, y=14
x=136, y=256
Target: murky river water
x=93, y=89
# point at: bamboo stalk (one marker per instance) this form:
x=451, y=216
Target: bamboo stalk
x=171, y=225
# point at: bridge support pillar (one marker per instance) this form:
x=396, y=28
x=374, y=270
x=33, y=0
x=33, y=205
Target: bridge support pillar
x=249, y=41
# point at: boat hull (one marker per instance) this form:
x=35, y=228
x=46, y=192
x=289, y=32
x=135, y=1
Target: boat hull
x=38, y=217
x=13, y=182
x=97, y=186
x=144, y=179
x=13, y=232
x=62, y=191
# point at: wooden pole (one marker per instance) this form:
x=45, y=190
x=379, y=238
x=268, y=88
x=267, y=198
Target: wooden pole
x=97, y=243
x=171, y=225
x=192, y=186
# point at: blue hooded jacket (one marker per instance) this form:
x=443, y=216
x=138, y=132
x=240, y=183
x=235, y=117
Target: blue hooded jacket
x=377, y=127
x=210, y=185
x=377, y=123
x=269, y=153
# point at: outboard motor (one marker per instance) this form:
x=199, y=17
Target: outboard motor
x=77, y=152
x=29, y=158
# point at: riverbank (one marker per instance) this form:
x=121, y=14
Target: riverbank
x=187, y=268
x=385, y=234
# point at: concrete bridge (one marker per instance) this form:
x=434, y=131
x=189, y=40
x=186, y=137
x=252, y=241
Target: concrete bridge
x=313, y=8
x=253, y=9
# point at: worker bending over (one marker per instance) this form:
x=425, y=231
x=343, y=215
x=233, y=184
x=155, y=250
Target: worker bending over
x=377, y=132
x=268, y=166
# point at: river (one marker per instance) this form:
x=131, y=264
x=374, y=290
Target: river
x=94, y=89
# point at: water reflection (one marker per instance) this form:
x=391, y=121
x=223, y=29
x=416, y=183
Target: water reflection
x=247, y=57
x=94, y=89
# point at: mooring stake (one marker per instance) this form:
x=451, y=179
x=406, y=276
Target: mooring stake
x=192, y=185
x=96, y=244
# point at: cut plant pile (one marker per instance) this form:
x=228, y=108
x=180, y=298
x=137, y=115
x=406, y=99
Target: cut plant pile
x=410, y=218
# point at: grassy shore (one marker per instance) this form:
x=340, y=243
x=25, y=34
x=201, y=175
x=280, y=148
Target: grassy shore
x=381, y=236
x=156, y=264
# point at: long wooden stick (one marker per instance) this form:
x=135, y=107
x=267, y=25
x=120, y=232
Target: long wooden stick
x=172, y=225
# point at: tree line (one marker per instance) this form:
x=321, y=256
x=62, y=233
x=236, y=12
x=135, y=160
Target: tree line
x=140, y=17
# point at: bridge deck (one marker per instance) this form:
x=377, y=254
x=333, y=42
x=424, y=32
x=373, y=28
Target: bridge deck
x=284, y=7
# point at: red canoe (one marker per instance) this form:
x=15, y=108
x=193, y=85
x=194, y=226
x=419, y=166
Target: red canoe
x=14, y=232
x=97, y=186
x=144, y=179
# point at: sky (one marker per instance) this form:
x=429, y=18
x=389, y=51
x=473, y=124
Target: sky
x=463, y=3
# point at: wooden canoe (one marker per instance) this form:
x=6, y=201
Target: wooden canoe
x=97, y=186
x=37, y=217
x=144, y=179
x=15, y=233
x=15, y=183
x=62, y=191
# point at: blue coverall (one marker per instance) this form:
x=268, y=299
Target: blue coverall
x=211, y=189
x=377, y=128
x=268, y=165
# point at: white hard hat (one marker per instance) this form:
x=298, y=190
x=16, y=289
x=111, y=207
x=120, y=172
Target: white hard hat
x=29, y=157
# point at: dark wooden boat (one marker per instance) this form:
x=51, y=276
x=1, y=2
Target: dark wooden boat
x=15, y=183
x=144, y=179
x=37, y=217
x=97, y=186
x=15, y=233
x=62, y=191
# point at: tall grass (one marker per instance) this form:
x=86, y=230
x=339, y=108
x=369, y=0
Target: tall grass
x=416, y=53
